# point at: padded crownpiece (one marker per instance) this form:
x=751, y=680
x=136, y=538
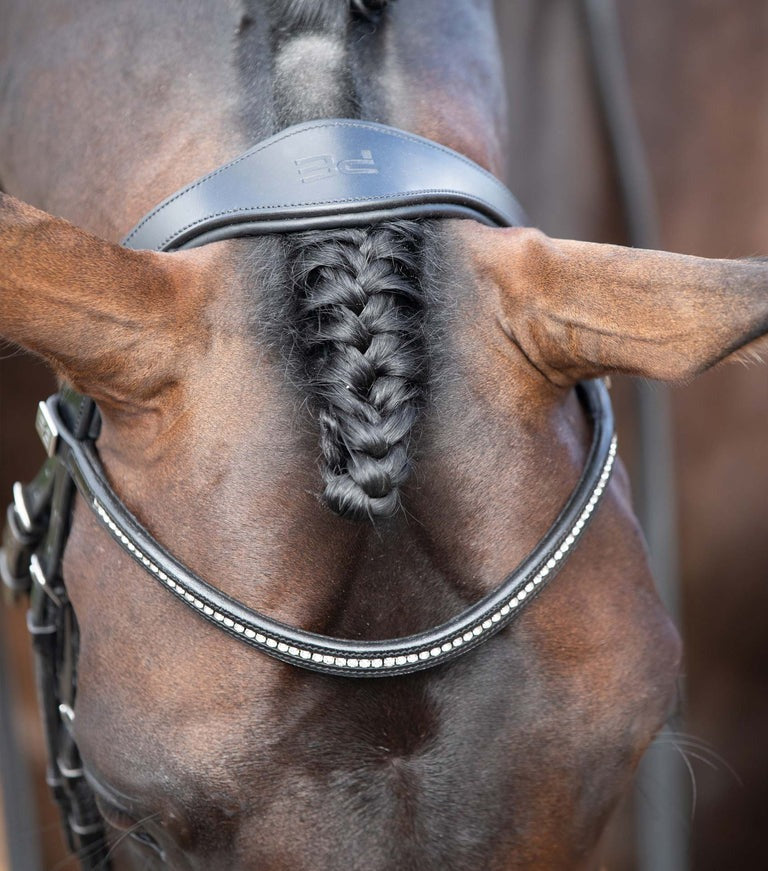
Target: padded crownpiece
x=329, y=173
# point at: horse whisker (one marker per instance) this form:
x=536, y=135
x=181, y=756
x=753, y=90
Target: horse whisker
x=694, y=789
x=707, y=754
x=125, y=833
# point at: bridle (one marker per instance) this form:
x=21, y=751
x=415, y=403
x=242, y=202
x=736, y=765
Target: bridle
x=322, y=174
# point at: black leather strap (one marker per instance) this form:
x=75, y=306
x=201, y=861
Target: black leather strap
x=329, y=173
x=336, y=655
x=33, y=547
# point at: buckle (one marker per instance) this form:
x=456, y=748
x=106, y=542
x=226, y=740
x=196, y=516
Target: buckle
x=67, y=714
x=35, y=628
x=38, y=575
x=20, y=507
x=67, y=772
x=46, y=428
x=86, y=829
x=54, y=780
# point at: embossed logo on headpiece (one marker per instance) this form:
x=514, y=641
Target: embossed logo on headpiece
x=325, y=166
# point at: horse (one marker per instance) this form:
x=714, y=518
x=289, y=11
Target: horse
x=205, y=753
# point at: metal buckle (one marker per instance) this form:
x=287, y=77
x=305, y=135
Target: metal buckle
x=34, y=628
x=69, y=773
x=68, y=716
x=85, y=828
x=54, y=780
x=38, y=575
x=46, y=428
x=20, y=507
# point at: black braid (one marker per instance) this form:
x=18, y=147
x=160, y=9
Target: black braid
x=360, y=312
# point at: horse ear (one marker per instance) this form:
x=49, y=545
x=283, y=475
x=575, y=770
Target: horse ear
x=582, y=310
x=106, y=318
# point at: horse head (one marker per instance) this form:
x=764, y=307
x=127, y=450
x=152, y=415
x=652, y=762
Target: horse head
x=358, y=431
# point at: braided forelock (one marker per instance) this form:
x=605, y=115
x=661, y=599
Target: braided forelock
x=361, y=311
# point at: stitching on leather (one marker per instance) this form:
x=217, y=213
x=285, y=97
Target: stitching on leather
x=255, y=210
x=84, y=404
x=287, y=135
x=186, y=583
x=228, y=607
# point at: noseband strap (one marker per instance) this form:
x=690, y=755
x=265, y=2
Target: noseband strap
x=337, y=655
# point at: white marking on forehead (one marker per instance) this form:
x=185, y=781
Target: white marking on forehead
x=308, y=67
x=307, y=52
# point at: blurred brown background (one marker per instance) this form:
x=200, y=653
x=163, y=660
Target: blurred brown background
x=699, y=77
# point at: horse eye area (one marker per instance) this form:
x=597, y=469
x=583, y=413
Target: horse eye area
x=115, y=816
x=127, y=823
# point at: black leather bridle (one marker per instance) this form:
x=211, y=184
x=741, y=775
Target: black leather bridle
x=322, y=174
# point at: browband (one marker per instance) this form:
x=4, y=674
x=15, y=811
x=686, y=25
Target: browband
x=322, y=174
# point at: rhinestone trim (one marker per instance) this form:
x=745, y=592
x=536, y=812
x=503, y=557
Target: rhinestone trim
x=402, y=659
